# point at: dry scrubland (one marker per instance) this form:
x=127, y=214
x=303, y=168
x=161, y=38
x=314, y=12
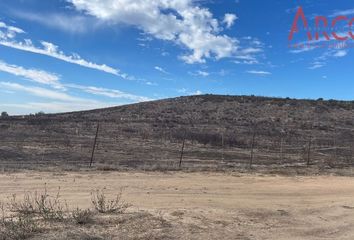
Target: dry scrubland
x=309, y=143
x=180, y=205
x=218, y=133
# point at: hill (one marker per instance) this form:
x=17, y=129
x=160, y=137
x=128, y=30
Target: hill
x=219, y=132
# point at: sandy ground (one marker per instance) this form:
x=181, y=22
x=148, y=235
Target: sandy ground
x=214, y=205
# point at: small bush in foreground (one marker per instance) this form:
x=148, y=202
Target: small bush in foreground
x=41, y=204
x=104, y=205
x=18, y=228
x=82, y=216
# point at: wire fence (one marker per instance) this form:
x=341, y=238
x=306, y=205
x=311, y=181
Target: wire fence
x=122, y=147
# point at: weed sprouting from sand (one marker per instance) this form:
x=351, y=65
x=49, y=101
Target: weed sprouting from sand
x=41, y=204
x=102, y=204
x=41, y=212
x=82, y=216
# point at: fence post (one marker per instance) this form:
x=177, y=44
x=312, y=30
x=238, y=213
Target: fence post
x=182, y=150
x=309, y=151
x=281, y=149
x=222, y=146
x=94, y=144
x=252, y=147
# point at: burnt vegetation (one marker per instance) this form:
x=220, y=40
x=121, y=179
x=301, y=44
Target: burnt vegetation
x=219, y=132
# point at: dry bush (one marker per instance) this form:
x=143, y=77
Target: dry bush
x=24, y=207
x=104, y=205
x=16, y=227
x=42, y=204
x=36, y=212
x=82, y=216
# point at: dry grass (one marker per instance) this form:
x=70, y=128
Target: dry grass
x=50, y=208
x=102, y=204
x=82, y=217
x=41, y=214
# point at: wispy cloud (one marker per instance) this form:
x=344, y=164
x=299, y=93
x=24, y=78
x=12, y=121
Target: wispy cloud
x=346, y=12
x=197, y=92
x=316, y=65
x=340, y=53
x=252, y=50
x=41, y=92
x=229, y=19
x=64, y=22
x=51, y=50
x=111, y=93
x=200, y=73
x=185, y=91
x=307, y=46
x=54, y=106
x=261, y=73
x=63, y=102
x=9, y=32
x=322, y=60
x=160, y=69
x=34, y=75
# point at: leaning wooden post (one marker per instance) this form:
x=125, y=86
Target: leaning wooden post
x=252, y=147
x=222, y=146
x=182, y=150
x=281, y=149
x=309, y=151
x=94, y=144
x=335, y=145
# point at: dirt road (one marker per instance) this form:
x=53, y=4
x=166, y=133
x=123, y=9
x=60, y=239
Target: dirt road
x=213, y=205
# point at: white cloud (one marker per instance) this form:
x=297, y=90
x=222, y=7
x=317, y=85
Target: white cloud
x=179, y=21
x=41, y=92
x=262, y=73
x=67, y=23
x=306, y=46
x=202, y=73
x=182, y=90
x=229, y=19
x=340, y=53
x=188, y=92
x=112, y=93
x=317, y=65
x=160, y=69
x=53, y=107
x=34, y=75
x=51, y=50
x=9, y=32
x=62, y=102
x=323, y=59
x=342, y=13
x=198, y=92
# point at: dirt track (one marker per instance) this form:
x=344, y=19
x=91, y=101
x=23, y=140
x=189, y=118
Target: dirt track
x=215, y=206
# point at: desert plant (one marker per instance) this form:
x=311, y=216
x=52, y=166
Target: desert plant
x=4, y=115
x=104, y=205
x=24, y=207
x=18, y=227
x=41, y=204
x=82, y=216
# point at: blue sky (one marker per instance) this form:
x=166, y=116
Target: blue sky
x=68, y=55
